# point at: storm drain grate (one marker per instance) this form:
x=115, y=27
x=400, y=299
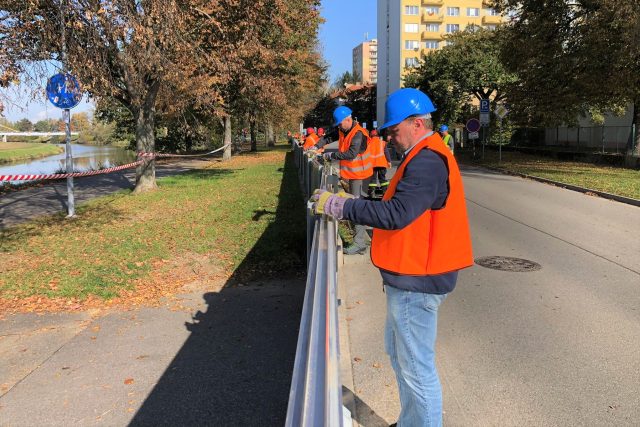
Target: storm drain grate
x=504, y=263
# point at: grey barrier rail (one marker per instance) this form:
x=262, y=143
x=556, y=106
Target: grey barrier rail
x=315, y=398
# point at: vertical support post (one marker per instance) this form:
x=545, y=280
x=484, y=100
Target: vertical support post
x=71, y=207
x=500, y=141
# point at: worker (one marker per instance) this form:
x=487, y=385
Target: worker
x=448, y=139
x=381, y=160
x=355, y=165
x=420, y=241
x=311, y=139
x=320, y=132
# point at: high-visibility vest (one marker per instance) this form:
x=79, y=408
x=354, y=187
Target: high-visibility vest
x=447, y=140
x=360, y=167
x=310, y=141
x=436, y=242
x=376, y=149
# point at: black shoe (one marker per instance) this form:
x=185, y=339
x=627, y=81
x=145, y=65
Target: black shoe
x=354, y=250
x=393, y=425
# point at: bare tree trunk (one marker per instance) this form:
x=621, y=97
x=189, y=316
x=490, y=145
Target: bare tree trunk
x=252, y=130
x=226, y=155
x=266, y=136
x=270, y=135
x=145, y=140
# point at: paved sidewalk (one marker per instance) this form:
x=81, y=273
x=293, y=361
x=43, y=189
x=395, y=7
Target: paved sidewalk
x=20, y=206
x=221, y=356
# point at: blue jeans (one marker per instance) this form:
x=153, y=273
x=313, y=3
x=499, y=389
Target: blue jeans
x=410, y=341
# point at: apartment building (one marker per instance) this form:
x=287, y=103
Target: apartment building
x=409, y=29
x=365, y=61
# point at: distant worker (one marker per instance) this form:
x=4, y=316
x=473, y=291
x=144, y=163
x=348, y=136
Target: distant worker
x=355, y=165
x=320, y=132
x=311, y=139
x=421, y=240
x=447, y=138
x=381, y=160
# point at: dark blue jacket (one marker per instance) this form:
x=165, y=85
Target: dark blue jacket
x=423, y=186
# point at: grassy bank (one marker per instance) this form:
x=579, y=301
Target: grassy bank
x=18, y=151
x=241, y=219
x=620, y=181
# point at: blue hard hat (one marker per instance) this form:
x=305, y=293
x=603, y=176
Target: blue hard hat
x=405, y=103
x=443, y=128
x=341, y=113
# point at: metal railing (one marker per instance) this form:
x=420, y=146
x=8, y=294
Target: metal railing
x=315, y=398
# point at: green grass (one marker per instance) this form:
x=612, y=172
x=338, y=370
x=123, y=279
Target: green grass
x=17, y=151
x=614, y=180
x=245, y=216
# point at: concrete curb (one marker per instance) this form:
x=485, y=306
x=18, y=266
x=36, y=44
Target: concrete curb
x=621, y=199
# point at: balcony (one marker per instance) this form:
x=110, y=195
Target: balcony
x=433, y=35
x=432, y=2
x=491, y=20
x=432, y=18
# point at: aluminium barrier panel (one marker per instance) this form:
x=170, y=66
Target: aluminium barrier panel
x=315, y=397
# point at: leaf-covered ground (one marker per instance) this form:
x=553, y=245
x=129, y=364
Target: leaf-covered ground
x=236, y=220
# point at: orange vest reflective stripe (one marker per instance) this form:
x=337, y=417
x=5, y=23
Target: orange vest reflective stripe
x=376, y=149
x=436, y=242
x=311, y=141
x=360, y=167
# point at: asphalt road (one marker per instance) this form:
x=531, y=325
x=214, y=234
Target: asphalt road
x=555, y=347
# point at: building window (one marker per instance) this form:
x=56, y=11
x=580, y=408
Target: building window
x=411, y=62
x=431, y=44
x=492, y=12
x=411, y=28
x=473, y=28
x=412, y=10
x=431, y=10
x=453, y=11
x=452, y=28
x=434, y=28
x=411, y=44
x=473, y=11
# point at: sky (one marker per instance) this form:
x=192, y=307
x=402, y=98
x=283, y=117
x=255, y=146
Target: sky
x=346, y=24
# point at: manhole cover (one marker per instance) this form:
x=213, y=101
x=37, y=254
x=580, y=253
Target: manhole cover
x=505, y=263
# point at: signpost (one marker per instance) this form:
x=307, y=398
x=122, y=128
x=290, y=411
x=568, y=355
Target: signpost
x=484, y=120
x=473, y=126
x=64, y=92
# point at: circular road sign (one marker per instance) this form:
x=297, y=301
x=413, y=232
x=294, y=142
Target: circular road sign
x=473, y=125
x=64, y=91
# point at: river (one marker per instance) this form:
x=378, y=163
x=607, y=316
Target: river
x=85, y=157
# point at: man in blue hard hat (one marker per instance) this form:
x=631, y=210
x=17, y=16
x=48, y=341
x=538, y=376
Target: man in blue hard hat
x=356, y=166
x=448, y=139
x=420, y=241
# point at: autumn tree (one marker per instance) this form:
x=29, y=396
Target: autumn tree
x=143, y=54
x=573, y=57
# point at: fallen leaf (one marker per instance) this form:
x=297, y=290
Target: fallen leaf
x=376, y=365
x=357, y=359
x=128, y=381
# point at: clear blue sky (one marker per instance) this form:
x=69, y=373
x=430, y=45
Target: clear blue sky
x=346, y=22
x=345, y=26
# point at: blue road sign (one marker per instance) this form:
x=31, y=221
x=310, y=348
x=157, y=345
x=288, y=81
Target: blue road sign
x=64, y=91
x=473, y=125
x=484, y=105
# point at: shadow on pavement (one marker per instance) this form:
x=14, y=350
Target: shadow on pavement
x=235, y=367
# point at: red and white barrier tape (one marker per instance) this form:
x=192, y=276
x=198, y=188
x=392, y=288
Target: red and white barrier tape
x=7, y=178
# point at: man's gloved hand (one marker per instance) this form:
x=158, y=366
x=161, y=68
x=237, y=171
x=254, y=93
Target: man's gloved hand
x=325, y=202
x=327, y=157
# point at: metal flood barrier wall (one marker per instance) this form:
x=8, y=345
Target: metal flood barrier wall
x=315, y=398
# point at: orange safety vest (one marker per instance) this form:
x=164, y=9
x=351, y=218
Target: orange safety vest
x=360, y=167
x=376, y=149
x=436, y=242
x=310, y=141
